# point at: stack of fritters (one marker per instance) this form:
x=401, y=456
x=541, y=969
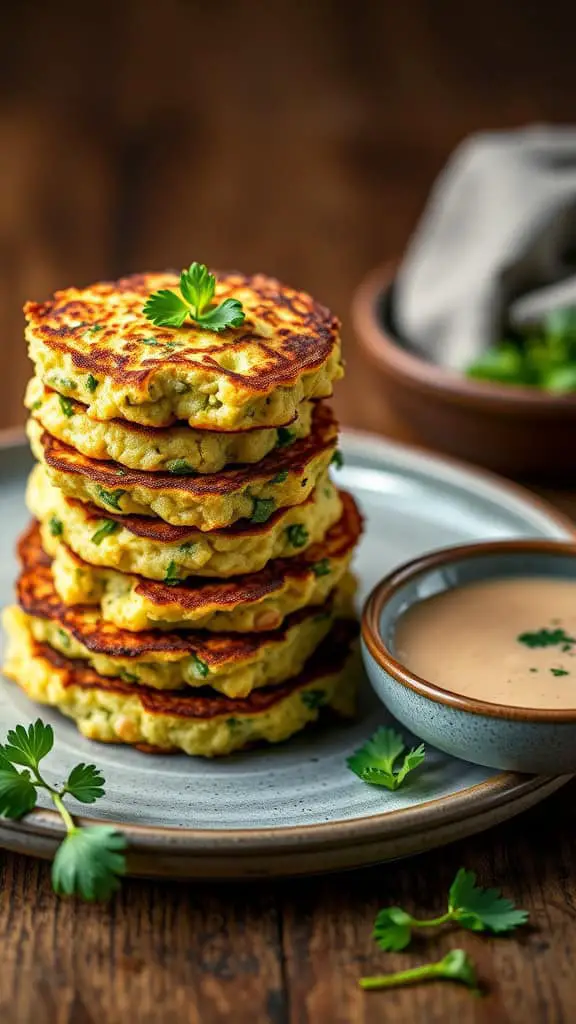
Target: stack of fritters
x=185, y=580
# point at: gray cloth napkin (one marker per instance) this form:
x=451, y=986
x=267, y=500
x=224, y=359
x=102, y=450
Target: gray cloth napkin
x=495, y=245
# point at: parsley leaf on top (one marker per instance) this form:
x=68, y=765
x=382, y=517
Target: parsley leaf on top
x=166, y=308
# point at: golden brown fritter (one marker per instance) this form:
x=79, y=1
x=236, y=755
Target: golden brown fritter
x=255, y=601
x=210, y=501
x=96, y=343
x=149, y=547
x=234, y=663
x=198, y=722
x=175, y=449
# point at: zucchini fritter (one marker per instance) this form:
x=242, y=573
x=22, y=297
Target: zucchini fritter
x=198, y=722
x=254, y=602
x=151, y=547
x=232, y=663
x=209, y=502
x=177, y=449
x=95, y=344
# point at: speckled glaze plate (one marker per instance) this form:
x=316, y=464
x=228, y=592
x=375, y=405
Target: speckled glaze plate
x=297, y=808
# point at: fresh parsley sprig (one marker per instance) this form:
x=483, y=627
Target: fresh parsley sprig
x=470, y=906
x=455, y=966
x=90, y=860
x=166, y=308
x=375, y=761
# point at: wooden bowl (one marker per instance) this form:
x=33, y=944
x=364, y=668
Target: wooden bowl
x=519, y=431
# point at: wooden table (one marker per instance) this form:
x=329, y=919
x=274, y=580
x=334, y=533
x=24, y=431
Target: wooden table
x=302, y=141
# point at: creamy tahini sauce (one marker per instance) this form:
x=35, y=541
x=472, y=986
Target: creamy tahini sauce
x=467, y=640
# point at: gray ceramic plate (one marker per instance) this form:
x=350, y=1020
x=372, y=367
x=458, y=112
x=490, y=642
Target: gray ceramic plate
x=297, y=808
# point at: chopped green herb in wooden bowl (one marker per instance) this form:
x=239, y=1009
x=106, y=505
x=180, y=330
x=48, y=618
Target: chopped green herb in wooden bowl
x=542, y=356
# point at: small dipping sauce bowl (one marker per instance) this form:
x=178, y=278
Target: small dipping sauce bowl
x=540, y=740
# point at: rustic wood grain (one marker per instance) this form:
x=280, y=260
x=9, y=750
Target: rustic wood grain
x=301, y=139
x=169, y=952
x=292, y=952
x=328, y=945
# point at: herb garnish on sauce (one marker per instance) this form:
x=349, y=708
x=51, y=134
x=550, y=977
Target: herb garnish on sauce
x=549, y=638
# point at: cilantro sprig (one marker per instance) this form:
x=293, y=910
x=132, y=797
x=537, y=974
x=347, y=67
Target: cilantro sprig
x=167, y=308
x=470, y=906
x=376, y=762
x=90, y=860
x=455, y=966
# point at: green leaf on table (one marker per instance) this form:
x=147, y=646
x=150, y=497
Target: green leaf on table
x=482, y=909
x=458, y=966
x=89, y=862
x=392, y=929
x=455, y=966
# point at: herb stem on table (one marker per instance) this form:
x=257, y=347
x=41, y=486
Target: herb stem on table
x=469, y=905
x=455, y=966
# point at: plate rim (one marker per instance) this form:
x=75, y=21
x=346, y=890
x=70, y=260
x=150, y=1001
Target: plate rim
x=505, y=788
x=520, y=492
x=499, y=790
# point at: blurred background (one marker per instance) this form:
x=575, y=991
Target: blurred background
x=295, y=137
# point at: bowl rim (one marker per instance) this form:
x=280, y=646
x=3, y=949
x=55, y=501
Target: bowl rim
x=383, y=348
x=398, y=577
